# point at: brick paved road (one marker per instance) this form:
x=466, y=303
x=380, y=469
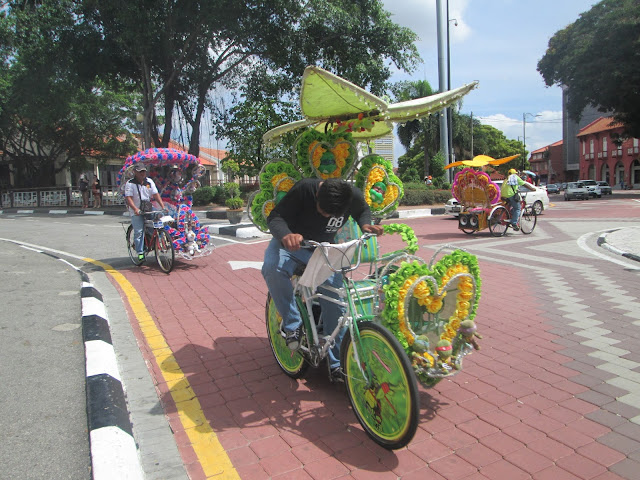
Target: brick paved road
x=553, y=394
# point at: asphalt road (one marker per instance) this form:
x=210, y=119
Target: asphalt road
x=42, y=361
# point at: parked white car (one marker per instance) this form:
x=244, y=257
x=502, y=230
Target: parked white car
x=605, y=188
x=452, y=207
x=593, y=187
x=538, y=199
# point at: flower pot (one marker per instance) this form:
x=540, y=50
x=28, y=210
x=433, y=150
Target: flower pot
x=234, y=216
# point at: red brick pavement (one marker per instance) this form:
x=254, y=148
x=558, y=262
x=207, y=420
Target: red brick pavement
x=514, y=412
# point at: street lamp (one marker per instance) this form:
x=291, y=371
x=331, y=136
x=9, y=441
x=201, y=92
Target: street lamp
x=449, y=116
x=524, y=136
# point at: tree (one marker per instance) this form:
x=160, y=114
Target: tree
x=409, y=132
x=185, y=48
x=259, y=109
x=596, y=58
x=52, y=113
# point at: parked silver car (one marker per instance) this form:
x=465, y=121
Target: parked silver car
x=576, y=190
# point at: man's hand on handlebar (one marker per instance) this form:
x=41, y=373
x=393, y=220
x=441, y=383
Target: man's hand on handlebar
x=376, y=229
x=292, y=241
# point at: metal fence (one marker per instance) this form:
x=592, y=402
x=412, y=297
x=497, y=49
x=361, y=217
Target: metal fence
x=57, y=197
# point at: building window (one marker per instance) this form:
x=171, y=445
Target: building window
x=604, y=144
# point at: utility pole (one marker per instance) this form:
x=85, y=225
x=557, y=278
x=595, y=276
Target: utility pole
x=524, y=137
x=451, y=158
x=442, y=80
x=471, y=135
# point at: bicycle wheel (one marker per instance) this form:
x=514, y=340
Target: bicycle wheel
x=499, y=221
x=165, y=253
x=528, y=220
x=387, y=405
x=291, y=363
x=131, y=247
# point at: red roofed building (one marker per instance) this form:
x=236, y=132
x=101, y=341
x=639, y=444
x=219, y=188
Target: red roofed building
x=606, y=155
x=547, y=163
x=210, y=159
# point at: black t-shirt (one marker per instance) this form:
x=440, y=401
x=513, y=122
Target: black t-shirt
x=297, y=213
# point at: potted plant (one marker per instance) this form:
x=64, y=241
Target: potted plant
x=234, y=203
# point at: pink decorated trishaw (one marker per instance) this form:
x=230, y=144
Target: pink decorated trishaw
x=176, y=175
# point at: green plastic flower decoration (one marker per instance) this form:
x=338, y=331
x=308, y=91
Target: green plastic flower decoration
x=381, y=188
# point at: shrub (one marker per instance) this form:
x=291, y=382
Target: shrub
x=425, y=196
x=234, y=203
x=415, y=186
x=219, y=194
x=204, y=196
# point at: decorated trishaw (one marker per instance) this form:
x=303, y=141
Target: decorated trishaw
x=408, y=319
x=480, y=199
x=176, y=175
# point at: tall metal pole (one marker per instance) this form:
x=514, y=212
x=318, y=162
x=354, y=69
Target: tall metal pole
x=524, y=139
x=442, y=80
x=471, y=135
x=451, y=158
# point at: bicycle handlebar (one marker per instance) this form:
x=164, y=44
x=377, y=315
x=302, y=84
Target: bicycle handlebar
x=352, y=266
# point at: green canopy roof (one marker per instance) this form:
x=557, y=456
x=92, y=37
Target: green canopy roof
x=326, y=99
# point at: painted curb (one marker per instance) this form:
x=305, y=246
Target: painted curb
x=602, y=242
x=114, y=453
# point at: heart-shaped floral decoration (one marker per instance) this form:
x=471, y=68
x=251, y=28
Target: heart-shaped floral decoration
x=431, y=312
x=325, y=155
x=382, y=190
x=276, y=179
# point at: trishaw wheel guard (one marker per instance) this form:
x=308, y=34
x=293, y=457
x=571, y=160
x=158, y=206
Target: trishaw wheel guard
x=528, y=220
x=291, y=363
x=498, y=220
x=385, y=397
x=430, y=310
x=165, y=253
x=131, y=247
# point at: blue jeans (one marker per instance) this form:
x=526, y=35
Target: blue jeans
x=514, y=206
x=277, y=270
x=137, y=222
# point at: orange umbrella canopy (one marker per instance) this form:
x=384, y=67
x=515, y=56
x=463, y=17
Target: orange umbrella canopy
x=481, y=161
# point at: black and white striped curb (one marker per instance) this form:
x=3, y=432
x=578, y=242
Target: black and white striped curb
x=602, y=242
x=114, y=453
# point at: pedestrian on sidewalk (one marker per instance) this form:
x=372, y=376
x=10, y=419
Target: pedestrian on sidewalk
x=97, y=193
x=83, y=186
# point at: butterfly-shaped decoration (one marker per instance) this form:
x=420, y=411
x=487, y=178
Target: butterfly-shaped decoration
x=382, y=189
x=325, y=155
x=425, y=308
x=331, y=103
x=276, y=179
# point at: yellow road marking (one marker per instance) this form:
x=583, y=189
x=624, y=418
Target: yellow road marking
x=212, y=457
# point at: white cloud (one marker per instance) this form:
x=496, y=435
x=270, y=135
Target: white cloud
x=541, y=129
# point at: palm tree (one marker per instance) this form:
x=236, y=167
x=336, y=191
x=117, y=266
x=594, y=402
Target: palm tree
x=423, y=129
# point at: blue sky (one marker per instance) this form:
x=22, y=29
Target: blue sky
x=498, y=43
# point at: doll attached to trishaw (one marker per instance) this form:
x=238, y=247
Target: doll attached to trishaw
x=407, y=319
x=176, y=175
